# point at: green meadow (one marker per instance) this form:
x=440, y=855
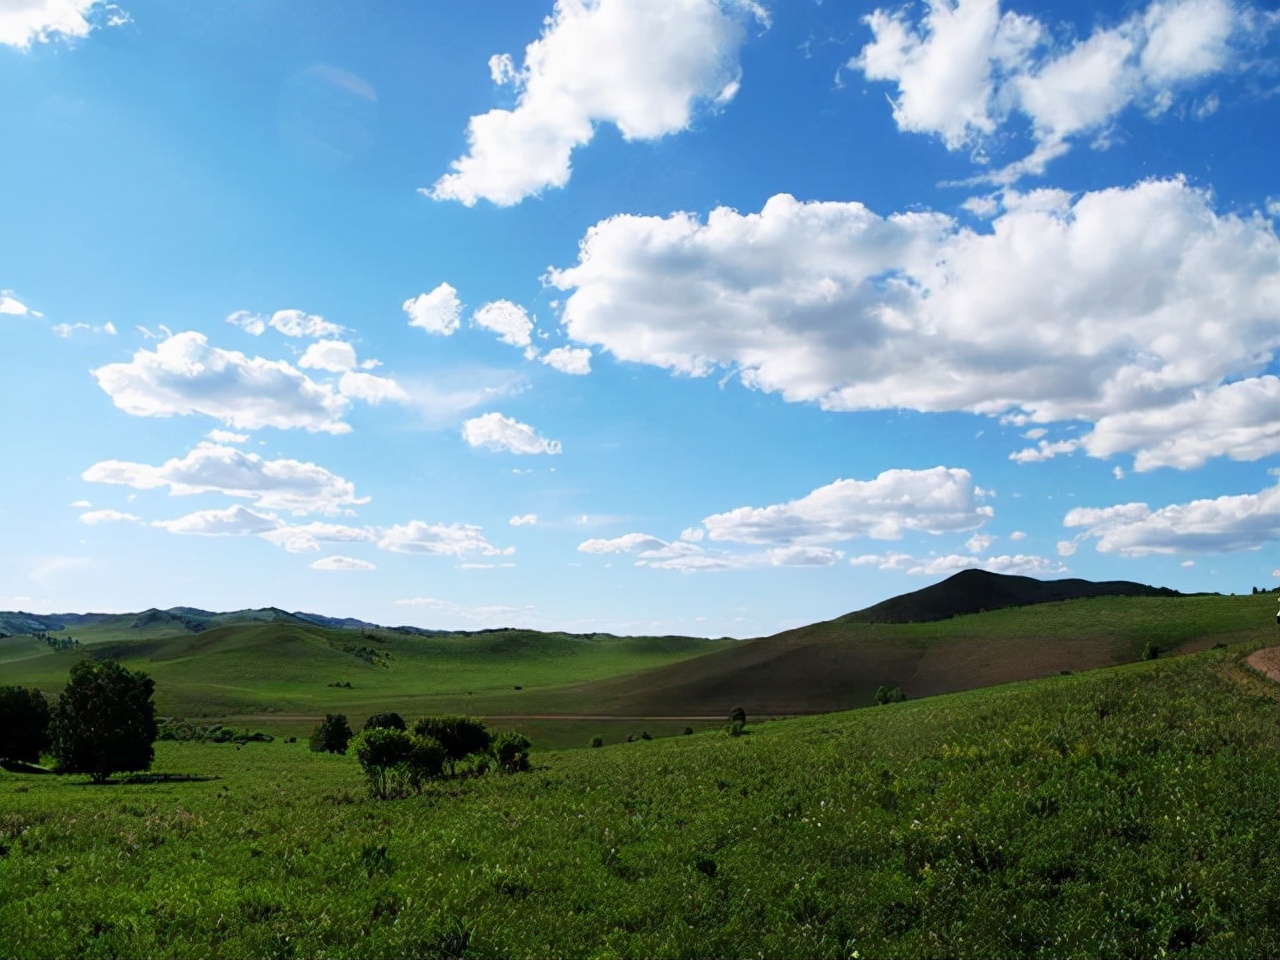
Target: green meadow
x=1128, y=811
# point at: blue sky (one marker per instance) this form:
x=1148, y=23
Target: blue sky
x=702, y=316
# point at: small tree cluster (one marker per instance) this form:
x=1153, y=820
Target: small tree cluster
x=331, y=735
x=105, y=720
x=511, y=751
x=459, y=736
x=737, y=722
x=24, y=724
x=386, y=721
x=395, y=761
x=890, y=695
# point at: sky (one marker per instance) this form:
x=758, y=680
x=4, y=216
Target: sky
x=706, y=317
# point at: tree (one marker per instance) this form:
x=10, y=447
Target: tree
x=511, y=750
x=105, y=720
x=459, y=736
x=380, y=751
x=24, y=724
x=331, y=735
x=385, y=721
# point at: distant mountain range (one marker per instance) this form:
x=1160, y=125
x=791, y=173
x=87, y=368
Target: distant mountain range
x=182, y=620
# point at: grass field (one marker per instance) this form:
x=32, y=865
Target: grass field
x=1126, y=812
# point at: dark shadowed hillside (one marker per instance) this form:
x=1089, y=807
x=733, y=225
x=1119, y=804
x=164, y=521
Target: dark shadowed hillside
x=973, y=591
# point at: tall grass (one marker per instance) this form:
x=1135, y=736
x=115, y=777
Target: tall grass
x=1131, y=812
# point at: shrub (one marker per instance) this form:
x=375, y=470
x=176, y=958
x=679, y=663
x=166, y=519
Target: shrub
x=734, y=728
x=331, y=735
x=459, y=736
x=738, y=716
x=688, y=731
x=511, y=751
x=24, y=724
x=425, y=762
x=380, y=751
x=385, y=721
x=1150, y=651
x=105, y=720
x=596, y=741
x=890, y=695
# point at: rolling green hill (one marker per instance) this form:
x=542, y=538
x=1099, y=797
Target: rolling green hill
x=1127, y=812
x=280, y=671
x=839, y=664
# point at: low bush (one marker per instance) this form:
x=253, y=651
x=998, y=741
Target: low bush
x=596, y=741
x=388, y=721
x=331, y=735
x=459, y=736
x=511, y=751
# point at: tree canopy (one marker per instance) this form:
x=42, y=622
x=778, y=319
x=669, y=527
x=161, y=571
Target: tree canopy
x=105, y=720
x=24, y=724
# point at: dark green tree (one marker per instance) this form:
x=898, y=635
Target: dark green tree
x=331, y=735
x=459, y=736
x=511, y=750
x=24, y=724
x=380, y=751
x=386, y=721
x=105, y=720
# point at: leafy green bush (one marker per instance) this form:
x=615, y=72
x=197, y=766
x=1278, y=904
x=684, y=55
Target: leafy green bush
x=459, y=736
x=105, y=720
x=389, y=721
x=511, y=751
x=24, y=724
x=734, y=728
x=425, y=762
x=380, y=751
x=596, y=741
x=738, y=715
x=890, y=695
x=331, y=735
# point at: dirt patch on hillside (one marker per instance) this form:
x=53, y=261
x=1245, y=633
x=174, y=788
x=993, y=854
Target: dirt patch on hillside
x=1266, y=661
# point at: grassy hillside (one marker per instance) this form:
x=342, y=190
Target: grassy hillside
x=839, y=664
x=1129, y=812
x=286, y=672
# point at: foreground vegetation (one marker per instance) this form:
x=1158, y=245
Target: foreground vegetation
x=1128, y=812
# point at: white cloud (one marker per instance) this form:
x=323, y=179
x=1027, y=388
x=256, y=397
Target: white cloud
x=687, y=556
x=526, y=520
x=943, y=67
x=627, y=543
x=335, y=356
x=185, y=375
x=439, y=311
x=82, y=504
x=11, y=306
x=964, y=69
x=371, y=388
x=94, y=517
x=1117, y=472
x=1240, y=420
x=226, y=436
x=937, y=500
x=449, y=608
x=829, y=302
x=496, y=432
x=342, y=563
x=979, y=542
x=454, y=539
x=236, y=521
x=1019, y=564
x=1044, y=450
x=508, y=320
x=638, y=64
x=1225, y=524
x=292, y=323
x=290, y=485
x=300, y=538
x=569, y=360
x=1018, y=535
x=25, y=22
